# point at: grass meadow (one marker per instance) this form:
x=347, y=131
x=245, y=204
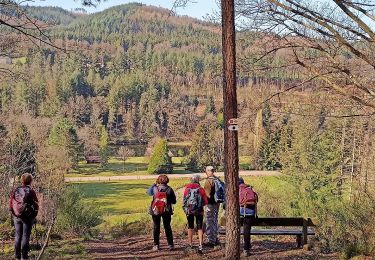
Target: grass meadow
x=117, y=167
x=124, y=204
x=135, y=166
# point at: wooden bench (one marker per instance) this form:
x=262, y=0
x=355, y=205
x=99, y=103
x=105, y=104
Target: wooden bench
x=306, y=228
x=93, y=159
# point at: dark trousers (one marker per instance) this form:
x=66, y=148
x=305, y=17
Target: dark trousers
x=246, y=222
x=167, y=227
x=22, y=241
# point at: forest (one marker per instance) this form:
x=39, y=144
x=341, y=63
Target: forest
x=137, y=85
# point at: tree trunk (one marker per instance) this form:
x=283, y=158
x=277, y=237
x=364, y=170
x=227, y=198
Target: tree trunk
x=232, y=246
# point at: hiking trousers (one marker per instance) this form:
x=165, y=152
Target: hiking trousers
x=167, y=227
x=246, y=222
x=212, y=214
x=22, y=237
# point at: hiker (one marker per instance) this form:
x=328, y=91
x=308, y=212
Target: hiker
x=161, y=208
x=248, y=212
x=193, y=204
x=215, y=191
x=23, y=205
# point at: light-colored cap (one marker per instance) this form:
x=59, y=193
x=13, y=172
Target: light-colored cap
x=195, y=178
x=210, y=168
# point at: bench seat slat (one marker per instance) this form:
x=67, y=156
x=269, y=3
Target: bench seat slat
x=286, y=222
x=278, y=232
x=275, y=232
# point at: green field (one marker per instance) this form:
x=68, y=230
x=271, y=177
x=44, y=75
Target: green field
x=126, y=202
x=134, y=166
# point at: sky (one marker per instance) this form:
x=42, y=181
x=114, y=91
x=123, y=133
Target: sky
x=197, y=8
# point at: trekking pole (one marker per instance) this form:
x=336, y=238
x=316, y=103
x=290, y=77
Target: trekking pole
x=37, y=246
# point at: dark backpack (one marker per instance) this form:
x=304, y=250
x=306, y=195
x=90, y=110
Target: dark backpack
x=193, y=202
x=23, y=204
x=247, y=196
x=159, y=204
x=219, y=195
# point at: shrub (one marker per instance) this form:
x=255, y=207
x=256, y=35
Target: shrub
x=181, y=152
x=347, y=227
x=160, y=162
x=128, y=228
x=76, y=215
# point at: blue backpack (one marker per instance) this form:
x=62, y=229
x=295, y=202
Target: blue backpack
x=193, y=202
x=219, y=190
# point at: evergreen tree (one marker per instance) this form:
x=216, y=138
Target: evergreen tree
x=268, y=154
x=20, y=152
x=206, y=148
x=160, y=162
x=210, y=105
x=64, y=134
x=103, y=146
x=313, y=161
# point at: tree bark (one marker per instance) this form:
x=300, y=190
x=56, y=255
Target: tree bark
x=232, y=246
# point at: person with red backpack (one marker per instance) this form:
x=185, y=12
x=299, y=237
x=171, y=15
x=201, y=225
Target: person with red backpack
x=194, y=200
x=161, y=208
x=23, y=205
x=248, y=211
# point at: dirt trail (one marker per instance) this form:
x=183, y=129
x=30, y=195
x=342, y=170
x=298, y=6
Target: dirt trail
x=171, y=176
x=140, y=247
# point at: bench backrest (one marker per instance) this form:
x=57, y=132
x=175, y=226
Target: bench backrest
x=286, y=222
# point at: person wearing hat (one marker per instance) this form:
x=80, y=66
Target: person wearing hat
x=248, y=199
x=212, y=209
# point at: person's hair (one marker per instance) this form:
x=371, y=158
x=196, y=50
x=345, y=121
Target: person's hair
x=26, y=178
x=195, y=178
x=162, y=179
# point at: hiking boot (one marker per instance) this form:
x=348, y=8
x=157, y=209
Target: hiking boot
x=246, y=253
x=200, y=249
x=188, y=249
x=171, y=247
x=209, y=244
x=156, y=248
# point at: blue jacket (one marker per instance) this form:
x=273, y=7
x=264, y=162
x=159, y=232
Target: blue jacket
x=250, y=211
x=171, y=197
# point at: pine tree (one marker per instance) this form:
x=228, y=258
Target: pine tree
x=210, y=105
x=160, y=162
x=206, y=148
x=20, y=152
x=103, y=146
x=64, y=134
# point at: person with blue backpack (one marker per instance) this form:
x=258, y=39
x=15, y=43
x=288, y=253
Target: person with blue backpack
x=193, y=204
x=215, y=190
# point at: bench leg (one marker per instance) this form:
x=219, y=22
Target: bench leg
x=304, y=232
x=299, y=240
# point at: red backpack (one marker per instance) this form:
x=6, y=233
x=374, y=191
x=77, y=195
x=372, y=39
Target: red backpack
x=247, y=196
x=159, y=204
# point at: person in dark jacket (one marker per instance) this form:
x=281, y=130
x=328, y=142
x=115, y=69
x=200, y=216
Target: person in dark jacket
x=161, y=185
x=199, y=215
x=248, y=214
x=23, y=205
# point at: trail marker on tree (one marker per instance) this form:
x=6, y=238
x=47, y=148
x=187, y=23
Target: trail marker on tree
x=233, y=121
